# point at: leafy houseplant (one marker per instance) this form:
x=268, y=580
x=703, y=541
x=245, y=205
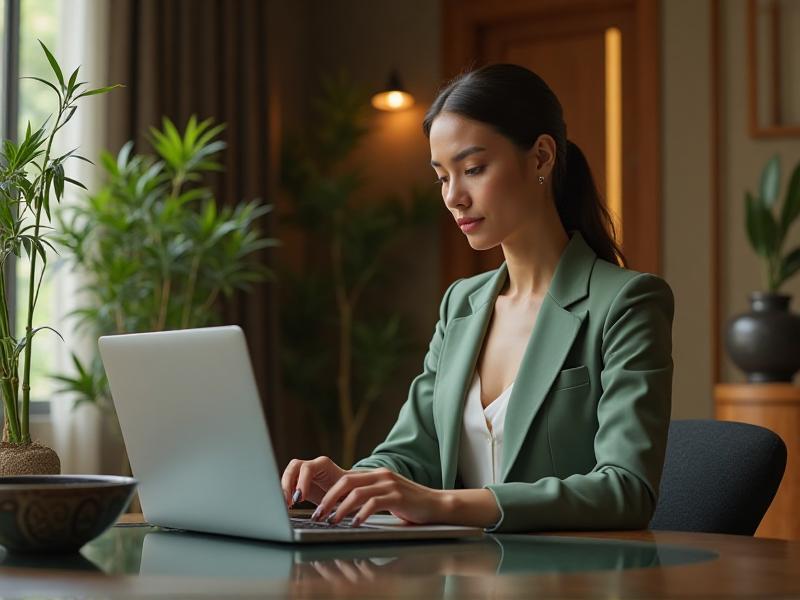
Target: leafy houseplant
x=767, y=231
x=336, y=345
x=156, y=251
x=765, y=343
x=31, y=179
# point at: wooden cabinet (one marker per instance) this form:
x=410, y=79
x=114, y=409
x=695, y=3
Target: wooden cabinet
x=775, y=406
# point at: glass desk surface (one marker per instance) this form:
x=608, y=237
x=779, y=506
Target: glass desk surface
x=150, y=551
x=139, y=561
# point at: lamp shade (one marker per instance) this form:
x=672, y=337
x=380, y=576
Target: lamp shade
x=393, y=96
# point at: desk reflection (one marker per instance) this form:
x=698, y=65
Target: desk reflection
x=220, y=566
x=343, y=565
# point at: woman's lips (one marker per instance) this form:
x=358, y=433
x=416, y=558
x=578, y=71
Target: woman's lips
x=467, y=225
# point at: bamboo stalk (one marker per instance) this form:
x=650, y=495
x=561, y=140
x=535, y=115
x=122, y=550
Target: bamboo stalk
x=44, y=196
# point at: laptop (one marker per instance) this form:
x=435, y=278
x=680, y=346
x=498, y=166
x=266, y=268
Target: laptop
x=198, y=442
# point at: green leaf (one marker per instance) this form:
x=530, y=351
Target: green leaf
x=101, y=90
x=72, y=80
x=790, y=264
x=54, y=64
x=23, y=340
x=58, y=183
x=770, y=181
x=124, y=155
x=75, y=182
x=762, y=230
x=791, y=205
x=48, y=84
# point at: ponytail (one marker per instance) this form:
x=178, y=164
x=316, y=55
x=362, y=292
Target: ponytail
x=518, y=104
x=580, y=207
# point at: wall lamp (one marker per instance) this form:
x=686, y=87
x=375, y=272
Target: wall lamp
x=393, y=97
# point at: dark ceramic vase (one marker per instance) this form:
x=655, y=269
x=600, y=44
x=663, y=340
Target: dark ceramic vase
x=765, y=342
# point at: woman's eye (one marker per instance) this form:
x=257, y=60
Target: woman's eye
x=475, y=170
x=441, y=180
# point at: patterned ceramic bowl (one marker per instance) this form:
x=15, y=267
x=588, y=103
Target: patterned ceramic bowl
x=59, y=513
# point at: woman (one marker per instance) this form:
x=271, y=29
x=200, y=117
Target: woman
x=545, y=397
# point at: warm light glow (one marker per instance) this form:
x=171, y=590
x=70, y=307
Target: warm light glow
x=614, y=127
x=392, y=100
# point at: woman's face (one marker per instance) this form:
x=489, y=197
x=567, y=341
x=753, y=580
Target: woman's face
x=488, y=184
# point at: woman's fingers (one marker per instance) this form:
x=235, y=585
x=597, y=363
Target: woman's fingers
x=289, y=479
x=309, y=479
x=373, y=505
x=342, y=488
x=321, y=472
x=358, y=497
x=316, y=494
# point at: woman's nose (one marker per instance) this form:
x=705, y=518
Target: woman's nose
x=456, y=196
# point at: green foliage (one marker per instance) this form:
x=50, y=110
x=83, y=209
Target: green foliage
x=767, y=230
x=157, y=250
x=334, y=344
x=31, y=178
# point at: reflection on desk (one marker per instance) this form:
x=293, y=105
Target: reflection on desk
x=180, y=553
x=146, y=561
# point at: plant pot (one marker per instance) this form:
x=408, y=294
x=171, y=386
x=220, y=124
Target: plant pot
x=765, y=342
x=28, y=459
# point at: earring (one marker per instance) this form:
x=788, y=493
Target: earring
x=541, y=180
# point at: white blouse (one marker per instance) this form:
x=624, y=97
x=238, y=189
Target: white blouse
x=481, y=448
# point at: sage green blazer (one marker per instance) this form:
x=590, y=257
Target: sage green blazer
x=586, y=423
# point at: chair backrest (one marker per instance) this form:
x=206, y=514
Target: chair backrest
x=719, y=477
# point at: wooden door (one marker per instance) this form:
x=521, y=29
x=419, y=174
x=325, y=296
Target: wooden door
x=600, y=57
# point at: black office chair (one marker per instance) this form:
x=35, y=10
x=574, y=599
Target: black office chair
x=719, y=477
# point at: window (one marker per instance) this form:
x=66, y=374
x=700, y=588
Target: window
x=39, y=20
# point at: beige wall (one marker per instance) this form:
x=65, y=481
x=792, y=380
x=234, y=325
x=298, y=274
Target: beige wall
x=686, y=198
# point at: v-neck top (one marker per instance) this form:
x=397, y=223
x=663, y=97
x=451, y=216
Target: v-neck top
x=481, y=447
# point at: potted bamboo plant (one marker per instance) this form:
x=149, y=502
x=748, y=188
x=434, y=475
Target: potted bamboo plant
x=32, y=181
x=765, y=342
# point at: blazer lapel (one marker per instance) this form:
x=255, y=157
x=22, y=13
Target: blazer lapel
x=552, y=337
x=464, y=340
x=553, y=334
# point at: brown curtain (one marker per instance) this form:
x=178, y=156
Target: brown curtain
x=209, y=58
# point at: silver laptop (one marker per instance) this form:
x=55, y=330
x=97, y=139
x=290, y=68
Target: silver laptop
x=198, y=441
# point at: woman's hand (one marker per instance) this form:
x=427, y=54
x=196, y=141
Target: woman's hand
x=380, y=489
x=309, y=479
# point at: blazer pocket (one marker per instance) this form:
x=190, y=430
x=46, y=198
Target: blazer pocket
x=570, y=378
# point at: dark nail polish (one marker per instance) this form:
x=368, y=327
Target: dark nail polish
x=356, y=522
x=330, y=517
x=296, y=496
x=315, y=516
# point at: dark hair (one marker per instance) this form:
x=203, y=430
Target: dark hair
x=518, y=104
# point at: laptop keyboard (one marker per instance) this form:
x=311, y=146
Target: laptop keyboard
x=346, y=523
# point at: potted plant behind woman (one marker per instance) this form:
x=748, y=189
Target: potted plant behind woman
x=765, y=342
x=32, y=177
x=156, y=248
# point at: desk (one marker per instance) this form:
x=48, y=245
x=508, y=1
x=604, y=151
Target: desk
x=140, y=561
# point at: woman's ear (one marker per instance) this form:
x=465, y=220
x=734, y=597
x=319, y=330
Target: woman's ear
x=544, y=154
